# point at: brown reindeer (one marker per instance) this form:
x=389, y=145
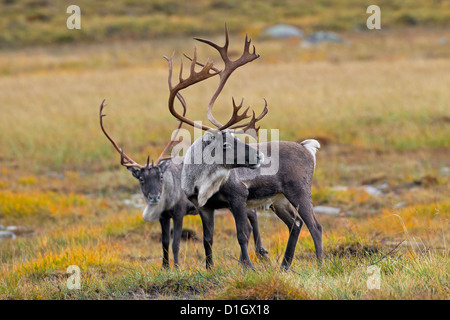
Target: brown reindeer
x=235, y=180
x=160, y=184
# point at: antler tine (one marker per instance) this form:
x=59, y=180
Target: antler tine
x=225, y=73
x=125, y=160
x=200, y=64
x=194, y=77
x=250, y=127
x=236, y=117
x=222, y=50
x=254, y=119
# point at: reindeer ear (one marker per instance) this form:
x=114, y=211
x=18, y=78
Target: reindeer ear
x=135, y=172
x=163, y=165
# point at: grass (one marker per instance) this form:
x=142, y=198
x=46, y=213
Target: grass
x=365, y=112
x=30, y=23
x=379, y=106
x=119, y=257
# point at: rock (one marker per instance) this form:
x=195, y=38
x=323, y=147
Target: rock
x=56, y=175
x=373, y=191
x=283, y=31
x=339, y=188
x=7, y=235
x=383, y=186
x=320, y=37
x=442, y=40
x=327, y=210
x=221, y=211
x=19, y=230
x=445, y=171
x=400, y=205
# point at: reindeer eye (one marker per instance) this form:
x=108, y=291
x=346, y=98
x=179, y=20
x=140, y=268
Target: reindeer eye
x=210, y=138
x=227, y=145
x=161, y=176
x=141, y=180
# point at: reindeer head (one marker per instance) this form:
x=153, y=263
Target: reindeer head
x=151, y=180
x=224, y=149
x=151, y=175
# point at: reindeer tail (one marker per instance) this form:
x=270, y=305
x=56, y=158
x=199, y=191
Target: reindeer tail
x=311, y=145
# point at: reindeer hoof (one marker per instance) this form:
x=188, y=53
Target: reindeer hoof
x=262, y=253
x=165, y=266
x=248, y=265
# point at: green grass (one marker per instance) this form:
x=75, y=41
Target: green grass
x=44, y=22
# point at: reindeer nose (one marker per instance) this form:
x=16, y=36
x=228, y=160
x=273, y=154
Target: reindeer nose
x=154, y=199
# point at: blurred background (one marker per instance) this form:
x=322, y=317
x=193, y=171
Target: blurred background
x=51, y=72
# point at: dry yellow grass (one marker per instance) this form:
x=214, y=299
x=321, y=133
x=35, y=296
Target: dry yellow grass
x=52, y=117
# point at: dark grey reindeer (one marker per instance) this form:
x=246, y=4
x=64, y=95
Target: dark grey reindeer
x=240, y=184
x=160, y=184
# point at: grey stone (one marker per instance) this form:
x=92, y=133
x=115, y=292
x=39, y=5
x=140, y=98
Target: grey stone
x=400, y=205
x=319, y=37
x=327, y=210
x=7, y=235
x=373, y=191
x=18, y=230
x=283, y=31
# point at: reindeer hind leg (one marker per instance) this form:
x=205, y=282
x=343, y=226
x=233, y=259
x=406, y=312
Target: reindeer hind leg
x=303, y=204
x=289, y=216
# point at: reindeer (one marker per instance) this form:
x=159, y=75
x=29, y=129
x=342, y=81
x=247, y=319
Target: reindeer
x=160, y=184
x=237, y=185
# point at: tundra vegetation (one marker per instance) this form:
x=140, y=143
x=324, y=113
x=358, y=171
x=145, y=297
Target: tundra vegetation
x=378, y=104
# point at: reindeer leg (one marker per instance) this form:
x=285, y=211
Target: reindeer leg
x=304, y=206
x=287, y=214
x=252, y=217
x=177, y=229
x=240, y=217
x=165, y=239
x=207, y=216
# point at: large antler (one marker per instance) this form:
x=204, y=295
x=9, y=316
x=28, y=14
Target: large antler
x=125, y=160
x=208, y=70
x=224, y=74
x=194, y=77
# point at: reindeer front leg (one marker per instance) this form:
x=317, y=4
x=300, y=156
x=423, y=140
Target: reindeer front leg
x=178, y=215
x=207, y=216
x=253, y=218
x=165, y=239
x=238, y=208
